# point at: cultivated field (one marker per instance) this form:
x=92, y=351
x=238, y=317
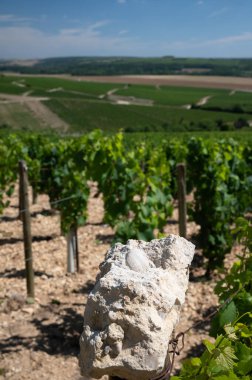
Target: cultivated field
x=131, y=103
x=232, y=83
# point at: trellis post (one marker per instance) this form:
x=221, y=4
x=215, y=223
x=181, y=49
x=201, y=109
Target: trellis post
x=181, y=177
x=26, y=219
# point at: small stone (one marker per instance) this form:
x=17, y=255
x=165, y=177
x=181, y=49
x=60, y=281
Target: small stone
x=28, y=310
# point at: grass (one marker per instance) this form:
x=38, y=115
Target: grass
x=8, y=85
x=157, y=137
x=42, y=86
x=88, y=115
x=236, y=100
x=18, y=116
x=169, y=95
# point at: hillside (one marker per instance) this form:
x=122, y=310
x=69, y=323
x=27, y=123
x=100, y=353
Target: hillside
x=131, y=65
x=141, y=104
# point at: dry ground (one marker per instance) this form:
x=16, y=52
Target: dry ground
x=40, y=340
x=232, y=83
x=33, y=108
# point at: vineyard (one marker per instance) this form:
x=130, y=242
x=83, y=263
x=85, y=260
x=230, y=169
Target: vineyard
x=138, y=186
x=82, y=105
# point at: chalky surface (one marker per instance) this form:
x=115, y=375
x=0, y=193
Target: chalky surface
x=134, y=308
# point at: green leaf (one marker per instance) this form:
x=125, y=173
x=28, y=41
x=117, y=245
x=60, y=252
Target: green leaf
x=225, y=358
x=228, y=314
x=230, y=376
x=244, y=355
x=230, y=331
x=209, y=346
x=196, y=362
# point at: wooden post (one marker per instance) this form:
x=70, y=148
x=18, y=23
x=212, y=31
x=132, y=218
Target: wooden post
x=20, y=195
x=34, y=196
x=71, y=250
x=77, y=250
x=26, y=218
x=181, y=175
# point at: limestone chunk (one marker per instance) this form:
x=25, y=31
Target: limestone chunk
x=134, y=307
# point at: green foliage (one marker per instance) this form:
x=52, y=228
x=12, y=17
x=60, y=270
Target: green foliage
x=170, y=95
x=87, y=115
x=238, y=280
x=221, y=179
x=64, y=182
x=11, y=151
x=134, y=184
x=134, y=65
x=230, y=356
x=138, y=182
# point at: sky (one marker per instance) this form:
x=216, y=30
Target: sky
x=33, y=29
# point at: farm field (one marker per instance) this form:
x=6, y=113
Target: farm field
x=80, y=106
x=111, y=118
x=38, y=339
x=239, y=101
x=19, y=116
x=221, y=82
x=172, y=95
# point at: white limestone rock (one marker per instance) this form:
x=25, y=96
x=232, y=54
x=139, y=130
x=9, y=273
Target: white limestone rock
x=134, y=307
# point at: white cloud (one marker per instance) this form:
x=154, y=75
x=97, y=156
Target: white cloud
x=228, y=40
x=218, y=12
x=24, y=41
x=27, y=42
x=231, y=39
x=122, y=32
x=10, y=18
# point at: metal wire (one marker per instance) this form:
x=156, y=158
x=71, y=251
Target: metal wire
x=166, y=374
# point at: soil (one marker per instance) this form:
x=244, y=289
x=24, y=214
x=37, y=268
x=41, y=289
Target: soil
x=40, y=340
x=232, y=83
x=37, y=108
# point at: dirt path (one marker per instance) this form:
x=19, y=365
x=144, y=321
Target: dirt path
x=203, y=101
x=39, y=110
x=130, y=100
x=125, y=100
x=18, y=84
x=48, y=117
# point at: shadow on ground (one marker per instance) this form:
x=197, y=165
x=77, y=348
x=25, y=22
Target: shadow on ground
x=14, y=273
x=105, y=239
x=58, y=329
x=35, y=239
x=86, y=289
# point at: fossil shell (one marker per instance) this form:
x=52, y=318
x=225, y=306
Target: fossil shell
x=137, y=260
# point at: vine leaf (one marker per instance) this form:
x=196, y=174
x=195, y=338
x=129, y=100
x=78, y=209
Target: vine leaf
x=244, y=355
x=226, y=358
x=230, y=331
x=228, y=315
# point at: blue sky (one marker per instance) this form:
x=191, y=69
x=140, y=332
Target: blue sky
x=183, y=28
